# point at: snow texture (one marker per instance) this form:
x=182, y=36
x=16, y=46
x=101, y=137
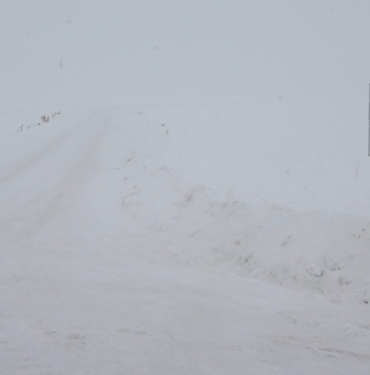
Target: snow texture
x=184, y=200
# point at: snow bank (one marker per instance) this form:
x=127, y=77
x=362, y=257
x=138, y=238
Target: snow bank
x=311, y=252
x=305, y=251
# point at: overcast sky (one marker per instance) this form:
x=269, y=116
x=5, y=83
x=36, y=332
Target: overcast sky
x=185, y=49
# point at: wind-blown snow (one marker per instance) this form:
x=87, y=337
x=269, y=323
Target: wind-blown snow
x=196, y=198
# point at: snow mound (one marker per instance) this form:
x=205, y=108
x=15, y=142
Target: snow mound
x=305, y=251
x=310, y=252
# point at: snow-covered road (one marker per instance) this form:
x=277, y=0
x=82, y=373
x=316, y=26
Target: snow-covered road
x=109, y=266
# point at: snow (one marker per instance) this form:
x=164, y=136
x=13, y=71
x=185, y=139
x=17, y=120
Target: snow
x=197, y=201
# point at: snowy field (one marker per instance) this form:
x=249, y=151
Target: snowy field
x=184, y=188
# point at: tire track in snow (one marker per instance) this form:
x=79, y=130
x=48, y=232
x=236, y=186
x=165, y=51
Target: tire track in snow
x=32, y=214
x=27, y=162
